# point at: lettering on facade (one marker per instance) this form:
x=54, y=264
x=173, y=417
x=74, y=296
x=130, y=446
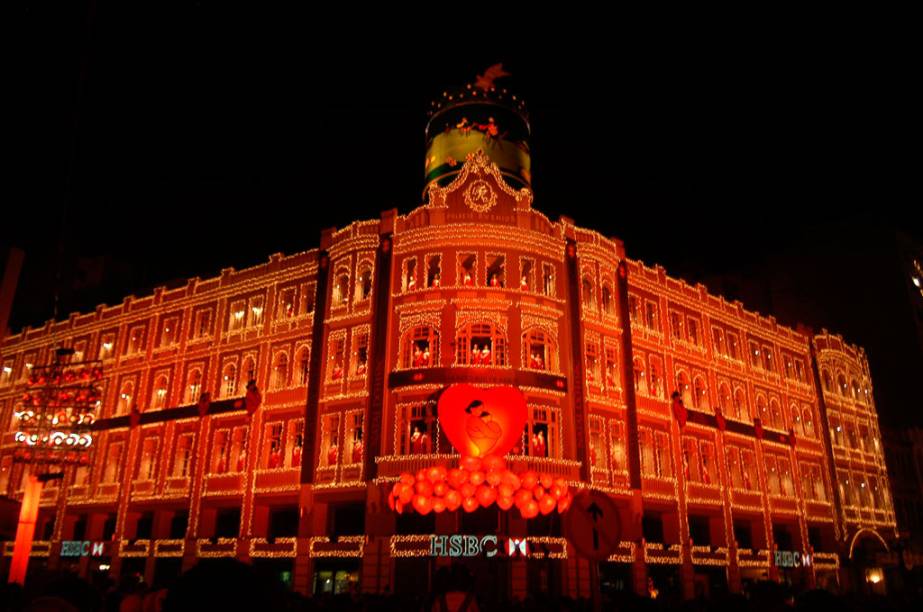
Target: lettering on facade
x=82, y=548
x=475, y=546
x=789, y=558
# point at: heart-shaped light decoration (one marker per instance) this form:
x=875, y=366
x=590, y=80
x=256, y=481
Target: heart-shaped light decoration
x=480, y=422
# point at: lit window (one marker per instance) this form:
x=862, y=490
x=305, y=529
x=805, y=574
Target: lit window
x=434, y=271
x=480, y=344
x=420, y=348
x=496, y=271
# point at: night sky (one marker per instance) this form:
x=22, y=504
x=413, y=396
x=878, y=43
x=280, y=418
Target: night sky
x=167, y=142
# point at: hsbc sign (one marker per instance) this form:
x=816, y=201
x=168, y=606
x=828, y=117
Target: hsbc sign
x=474, y=546
x=85, y=548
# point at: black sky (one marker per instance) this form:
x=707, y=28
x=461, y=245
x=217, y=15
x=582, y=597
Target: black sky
x=183, y=138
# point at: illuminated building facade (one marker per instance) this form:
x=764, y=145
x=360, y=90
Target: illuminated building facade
x=774, y=447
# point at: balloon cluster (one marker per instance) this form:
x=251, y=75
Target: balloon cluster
x=478, y=483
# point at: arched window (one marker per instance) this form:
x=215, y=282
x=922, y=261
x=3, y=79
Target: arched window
x=608, y=306
x=303, y=360
x=856, y=394
x=684, y=388
x=775, y=413
x=126, y=394
x=637, y=365
x=794, y=413
x=827, y=381
x=193, y=386
x=807, y=422
x=280, y=372
x=701, y=394
x=420, y=348
x=229, y=381
x=589, y=298
x=248, y=372
x=724, y=398
x=480, y=344
x=762, y=410
x=364, y=283
x=655, y=376
x=538, y=351
x=159, y=398
x=341, y=289
x=740, y=403
x=843, y=387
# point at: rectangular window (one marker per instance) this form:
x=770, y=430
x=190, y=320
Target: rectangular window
x=619, y=460
x=592, y=361
x=203, y=324
x=353, y=437
x=597, y=443
x=135, y=341
x=543, y=432
x=335, y=362
x=718, y=340
x=664, y=462
x=467, y=269
x=527, y=274
x=256, y=311
x=106, y=346
x=183, y=455
x=692, y=330
x=651, y=319
x=310, y=294
x=676, y=326
x=170, y=332
x=732, y=345
x=734, y=468
x=273, y=447
x=148, y=465
x=548, y=283
x=755, y=360
x=330, y=449
x=419, y=434
x=80, y=349
x=220, y=449
x=6, y=374
x=237, y=315
x=409, y=277
x=360, y=353
x=495, y=273
x=634, y=310
x=287, y=301
x=612, y=360
x=434, y=271
x=768, y=362
x=113, y=460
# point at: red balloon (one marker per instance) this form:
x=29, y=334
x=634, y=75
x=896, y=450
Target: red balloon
x=457, y=477
x=493, y=478
x=564, y=504
x=505, y=502
x=398, y=506
x=406, y=493
x=556, y=492
x=546, y=480
x=440, y=489
x=511, y=479
x=538, y=492
x=452, y=500
x=529, y=510
x=470, y=463
x=476, y=477
x=438, y=504
x=505, y=490
x=480, y=422
x=494, y=462
x=467, y=489
x=422, y=504
x=547, y=504
x=423, y=487
x=421, y=474
x=391, y=502
x=522, y=497
x=529, y=479
x=436, y=474
x=470, y=504
x=486, y=496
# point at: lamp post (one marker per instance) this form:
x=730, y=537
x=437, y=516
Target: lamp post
x=59, y=406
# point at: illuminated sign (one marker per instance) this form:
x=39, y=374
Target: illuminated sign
x=473, y=546
x=788, y=558
x=78, y=548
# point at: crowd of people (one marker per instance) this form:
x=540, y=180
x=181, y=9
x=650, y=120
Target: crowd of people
x=227, y=584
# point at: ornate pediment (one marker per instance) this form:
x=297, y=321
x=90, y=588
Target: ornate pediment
x=479, y=192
